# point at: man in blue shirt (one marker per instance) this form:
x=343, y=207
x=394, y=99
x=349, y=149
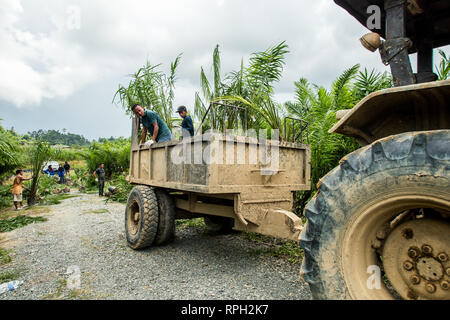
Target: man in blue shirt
x=153, y=124
x=187, y=125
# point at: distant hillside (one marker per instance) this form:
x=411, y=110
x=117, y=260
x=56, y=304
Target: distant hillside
x=61, y=138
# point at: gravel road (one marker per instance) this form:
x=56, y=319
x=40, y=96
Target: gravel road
x=195, y=266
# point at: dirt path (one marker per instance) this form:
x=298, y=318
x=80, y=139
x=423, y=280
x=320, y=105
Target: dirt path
x=85, y=234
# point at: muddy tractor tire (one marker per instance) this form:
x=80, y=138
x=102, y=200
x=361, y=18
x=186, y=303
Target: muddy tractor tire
x=166, y=227
x=379, y=226
x=141, y=217
x=219, y=225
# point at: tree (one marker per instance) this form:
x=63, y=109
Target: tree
x=10, y=153
x=150, y=87
x=250, y=87
x=40, y=153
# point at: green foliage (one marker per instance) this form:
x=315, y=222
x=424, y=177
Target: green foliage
x=40, y=153
x=251, y=88
x=56, y=199
x=5, y=258
x=114, y=154
x=10, y=153
x=72, y=154
x=318, y=106
x=9, y=276
x=46, y=186
x=288, y=250
x=82, y=177
x=443, y=69
x=197, y=223
x=150, y=87
x=18, y=222
x=55, y=137
x=123, y=189
x=5, y=196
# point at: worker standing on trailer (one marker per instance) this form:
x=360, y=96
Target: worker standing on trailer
x=153, y=124
x=187, y=125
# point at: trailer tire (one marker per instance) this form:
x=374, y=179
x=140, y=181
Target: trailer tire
x=368, y=188
x=220, y=225
x=141, y=217
x=166, y=227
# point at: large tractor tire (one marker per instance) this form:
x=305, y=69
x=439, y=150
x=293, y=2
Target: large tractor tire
x=166, y=227
x=141, y=217
x=378, y=228
x=221, y=225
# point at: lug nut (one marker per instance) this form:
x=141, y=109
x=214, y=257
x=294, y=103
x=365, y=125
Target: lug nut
x=445, y=285
x=408, y=265
x=376, y=244
x=447, y=271
x=414, y=280
x=381, y=235
x=427, y=249
x=431, y=288
x=413, y=252
x=442, y=257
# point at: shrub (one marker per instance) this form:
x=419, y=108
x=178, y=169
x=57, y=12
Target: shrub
x=115, y=155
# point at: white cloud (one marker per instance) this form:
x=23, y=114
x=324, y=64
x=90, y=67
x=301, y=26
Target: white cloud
x=45, y=56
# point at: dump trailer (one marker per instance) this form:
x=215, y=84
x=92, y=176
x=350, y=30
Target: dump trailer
x=233, y=181
x=379, y=225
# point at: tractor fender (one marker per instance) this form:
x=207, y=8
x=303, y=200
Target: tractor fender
x=418, y=107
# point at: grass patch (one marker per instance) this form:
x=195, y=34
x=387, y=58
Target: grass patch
x=5, y=258
x=18, y=222
x=288, y=250
x=64, y=293
x=100, y=211
x=10, y=276
x=29, y=211
x=56, y=199
x=190, y=223
x=62, y=283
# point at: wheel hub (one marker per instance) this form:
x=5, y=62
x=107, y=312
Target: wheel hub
x=415, y=259
x=133, y=217
x=429, y=268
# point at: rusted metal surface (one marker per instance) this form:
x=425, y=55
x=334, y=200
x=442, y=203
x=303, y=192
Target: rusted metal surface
x=415, y=258
x=392, y=111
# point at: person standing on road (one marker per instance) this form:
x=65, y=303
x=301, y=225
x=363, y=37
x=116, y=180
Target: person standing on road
x=187, y=125
x=61, y=174
x=153, y=124
x=67, y=169
x=17, y=189
x=99, y=175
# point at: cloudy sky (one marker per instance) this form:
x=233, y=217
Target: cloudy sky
x=62, y=60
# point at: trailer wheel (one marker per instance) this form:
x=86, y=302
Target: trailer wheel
x=166, y=227
x=378, y=228
x=219, y=224
x=141, y=217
